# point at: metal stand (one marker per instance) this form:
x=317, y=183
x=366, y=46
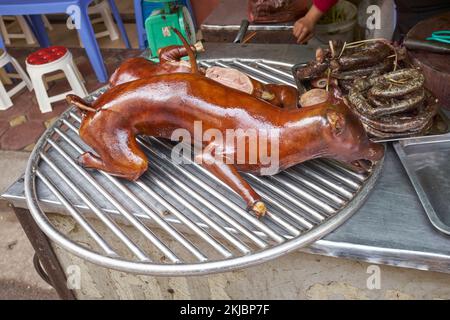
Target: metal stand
x=44, y=252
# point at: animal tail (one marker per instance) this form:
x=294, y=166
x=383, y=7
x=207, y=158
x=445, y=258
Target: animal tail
x=193, y=61
x=79, y=103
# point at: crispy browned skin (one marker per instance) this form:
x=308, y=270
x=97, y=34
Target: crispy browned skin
x=173, y=53
x=140, y=68
x=158, y=105
x=286, y=97
x=279, y=95
x=282, y=96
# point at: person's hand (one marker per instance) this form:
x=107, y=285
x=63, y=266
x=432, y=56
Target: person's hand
x=304, y=27
x=303, y=30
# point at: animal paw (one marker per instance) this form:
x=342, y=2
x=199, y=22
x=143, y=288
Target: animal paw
x=259, y=208
x=84, y=159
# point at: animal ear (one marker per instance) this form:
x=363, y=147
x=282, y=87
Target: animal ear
x=336, y=121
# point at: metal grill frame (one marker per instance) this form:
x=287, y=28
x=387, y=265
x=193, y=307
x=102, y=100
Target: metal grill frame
x=280, y=245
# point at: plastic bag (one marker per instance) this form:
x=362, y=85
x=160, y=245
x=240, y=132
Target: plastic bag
x=275, y=11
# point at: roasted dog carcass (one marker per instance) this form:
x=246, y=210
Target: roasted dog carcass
x=159, y=105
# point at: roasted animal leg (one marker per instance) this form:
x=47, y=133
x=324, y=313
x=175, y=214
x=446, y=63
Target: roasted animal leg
x=232, y=178
x=125, y=160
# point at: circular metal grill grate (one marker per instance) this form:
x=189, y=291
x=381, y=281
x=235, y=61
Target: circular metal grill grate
x=179, y=219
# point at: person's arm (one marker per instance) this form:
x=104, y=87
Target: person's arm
x=304, y=27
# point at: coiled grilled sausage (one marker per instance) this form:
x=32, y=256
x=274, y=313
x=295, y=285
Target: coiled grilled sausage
x=382, y=67
x=397, y=84
x=366, y=56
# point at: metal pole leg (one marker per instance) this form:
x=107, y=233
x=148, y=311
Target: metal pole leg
x=45, y=253
x=119, y=22
x=91, y=46
x=139, y=23
x=39, y=30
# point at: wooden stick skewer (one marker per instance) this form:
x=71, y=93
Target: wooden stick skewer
x=249, y=37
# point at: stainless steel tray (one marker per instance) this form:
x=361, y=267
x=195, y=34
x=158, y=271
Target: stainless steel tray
x=184, y=220
x=427, y=162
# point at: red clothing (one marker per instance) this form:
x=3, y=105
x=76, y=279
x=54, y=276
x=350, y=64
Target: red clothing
x=324, y=5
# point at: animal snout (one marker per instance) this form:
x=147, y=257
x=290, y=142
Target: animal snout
x=375, y=152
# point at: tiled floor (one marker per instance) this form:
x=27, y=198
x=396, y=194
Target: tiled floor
x=22, y=124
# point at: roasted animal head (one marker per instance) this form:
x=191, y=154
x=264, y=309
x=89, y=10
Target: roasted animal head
x=347, y=139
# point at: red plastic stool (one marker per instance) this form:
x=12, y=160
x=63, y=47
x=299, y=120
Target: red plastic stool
x=46, y=55
x=48, y=60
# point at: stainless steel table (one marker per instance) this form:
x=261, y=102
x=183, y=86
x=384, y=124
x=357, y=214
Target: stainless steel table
x=223, y=24
x=390, y=228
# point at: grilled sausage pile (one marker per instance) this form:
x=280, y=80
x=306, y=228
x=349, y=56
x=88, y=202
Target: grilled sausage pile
x=343, y=64
x=389, y=103
x=371, y=59
x=393, y=105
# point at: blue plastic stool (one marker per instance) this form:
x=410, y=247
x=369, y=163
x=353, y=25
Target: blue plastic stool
x=8, y=67
x=34, y=8
x=2, y=44
x=142, y=9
